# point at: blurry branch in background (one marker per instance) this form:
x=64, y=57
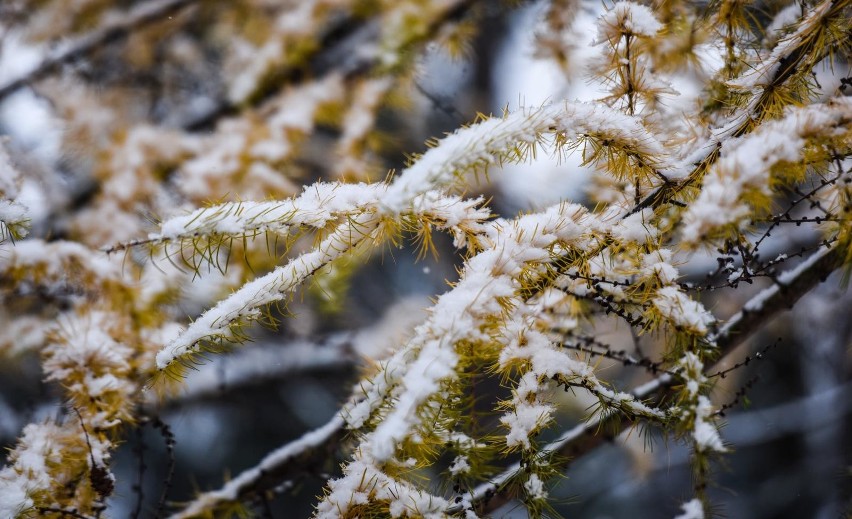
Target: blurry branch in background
x=142, y=14
x=265, y=364
x=333, y=54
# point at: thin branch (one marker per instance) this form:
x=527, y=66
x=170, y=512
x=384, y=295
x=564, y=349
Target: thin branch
x=290, y=459
x=581, y=439
x=169, y=439
x=741, y=124
x=143, y=14
x=788, y=288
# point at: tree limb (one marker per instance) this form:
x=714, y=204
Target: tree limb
x=303, y=454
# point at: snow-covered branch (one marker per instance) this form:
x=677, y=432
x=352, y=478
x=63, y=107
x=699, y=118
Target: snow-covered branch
x=275, y=468
x=269, y=132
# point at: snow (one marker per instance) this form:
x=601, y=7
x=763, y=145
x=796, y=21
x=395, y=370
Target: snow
x=28, y=469
x=482, y=143
x=535, y=487
x=230, y=491
x=762, y=74
x=459, y=465
x=30, y=121
x=297, y=109
x=682, y=310
x=521, y=78
x=523, y=420
x=51, y=259
x=699, y=409
x=545, y=362
x=89, y=362
x=627, y=18
x=13, y=495
x=658, y=265
x=17, y=57
x=417, y=371
x=704, y=432
x=262, y=59
x=361, y=478
x=251, y=64
x=693, y=509
x=785, y=17
x=788, y=276
x=745, y=165
x=9, y=176
x=22, y=334
x=244, y=304
x=693, y=369
x=12, y=214
x=493, y=141
x=318, y=204
x=636, y=228
x=435, y=363
x=360, y=117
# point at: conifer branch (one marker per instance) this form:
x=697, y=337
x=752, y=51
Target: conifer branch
x=587, y=436
x=786, y=59
x=314, y=89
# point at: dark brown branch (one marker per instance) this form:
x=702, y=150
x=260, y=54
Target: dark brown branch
x=169, y=440
x=62, y=512
x=782, y=295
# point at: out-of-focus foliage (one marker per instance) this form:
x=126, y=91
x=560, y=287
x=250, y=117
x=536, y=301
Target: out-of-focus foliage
x=180, y=170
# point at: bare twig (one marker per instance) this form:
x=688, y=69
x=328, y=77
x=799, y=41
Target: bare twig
x=788, y=288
